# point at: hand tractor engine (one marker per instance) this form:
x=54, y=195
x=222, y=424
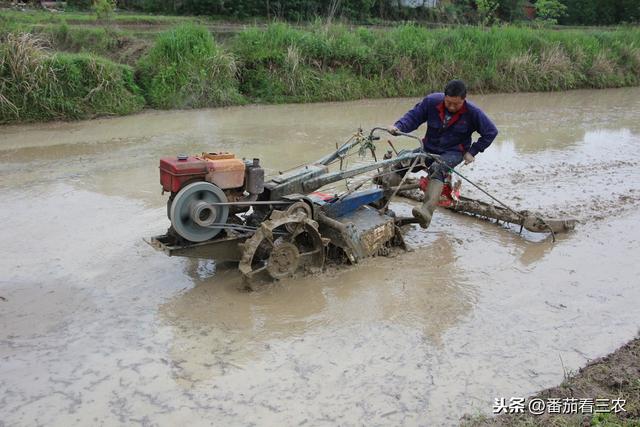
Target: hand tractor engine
x=206, y=189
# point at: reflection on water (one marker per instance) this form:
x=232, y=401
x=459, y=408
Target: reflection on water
x=541, y=121
x=217, y=327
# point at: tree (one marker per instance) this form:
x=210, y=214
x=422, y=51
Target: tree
x=488, y=11
x=104, y=8
x=550, y=10
x=79, y=4
x=601, y=12
x=511, y=10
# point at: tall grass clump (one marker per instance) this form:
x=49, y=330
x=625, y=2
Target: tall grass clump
x=70, y=17
x=185, y=68
x=285, y=64
x=36, y=85
x=119, y=45
x=98, y=40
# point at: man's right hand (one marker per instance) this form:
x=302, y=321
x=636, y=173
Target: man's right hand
x=393, y=130
x=468, y=158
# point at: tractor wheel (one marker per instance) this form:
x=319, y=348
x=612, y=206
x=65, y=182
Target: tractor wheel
x=281, y=246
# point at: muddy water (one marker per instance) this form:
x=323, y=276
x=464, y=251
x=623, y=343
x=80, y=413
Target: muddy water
x=96, y=328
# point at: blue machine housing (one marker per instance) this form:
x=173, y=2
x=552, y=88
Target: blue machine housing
x=350, y=203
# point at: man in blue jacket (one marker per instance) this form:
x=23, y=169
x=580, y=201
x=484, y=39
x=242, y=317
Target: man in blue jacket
x=451, y=120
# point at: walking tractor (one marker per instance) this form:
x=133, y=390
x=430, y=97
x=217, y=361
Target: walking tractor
x=221, y=207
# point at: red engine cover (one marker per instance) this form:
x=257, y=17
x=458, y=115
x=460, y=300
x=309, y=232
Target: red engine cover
x=175, y=171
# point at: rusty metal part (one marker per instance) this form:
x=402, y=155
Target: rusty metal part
x=284, y=259
x=526, y=219
x=221, y=249
x=539, y=224
x=294, y=209
x=529, y=220
x=405, y=220
x=405, y=187
x=280, y=255
x=360, y=234
x=384, y=208
x=237, y=195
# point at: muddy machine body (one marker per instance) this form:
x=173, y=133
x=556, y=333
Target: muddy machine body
x=223, y=208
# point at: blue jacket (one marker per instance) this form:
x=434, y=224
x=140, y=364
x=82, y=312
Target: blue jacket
x=456, y=136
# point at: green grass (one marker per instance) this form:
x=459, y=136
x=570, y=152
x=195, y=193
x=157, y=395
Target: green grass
x=43, y=17
x=38, y=86
x=121, y=46
x=186, y=69
x=112, y=42
x=282, y=64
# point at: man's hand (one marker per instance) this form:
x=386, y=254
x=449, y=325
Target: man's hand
x=468, y=158
x=393, y=130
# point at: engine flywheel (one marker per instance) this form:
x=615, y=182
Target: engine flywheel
x=192, y=215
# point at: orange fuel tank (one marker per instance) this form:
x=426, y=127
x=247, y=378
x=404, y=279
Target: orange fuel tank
x=224, y=170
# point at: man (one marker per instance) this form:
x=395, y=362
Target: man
x=451, y=120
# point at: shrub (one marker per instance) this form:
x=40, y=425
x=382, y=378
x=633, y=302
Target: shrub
x=37, y=85
x=185, y=68
x=550, y=10
x=281, y=63
x=104, y=8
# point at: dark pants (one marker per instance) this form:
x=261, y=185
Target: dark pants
x=438, y=170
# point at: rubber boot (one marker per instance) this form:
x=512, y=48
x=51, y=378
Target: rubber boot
x=424, y=212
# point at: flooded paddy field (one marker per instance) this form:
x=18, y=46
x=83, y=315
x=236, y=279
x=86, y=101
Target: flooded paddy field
x=97, y=328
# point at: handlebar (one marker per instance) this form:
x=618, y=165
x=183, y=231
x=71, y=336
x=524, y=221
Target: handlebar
x=408, y=135
x=353, y=141
x=435, y=157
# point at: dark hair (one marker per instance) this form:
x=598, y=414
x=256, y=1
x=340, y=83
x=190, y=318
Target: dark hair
x=456, y=88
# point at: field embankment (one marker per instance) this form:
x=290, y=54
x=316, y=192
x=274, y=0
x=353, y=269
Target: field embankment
x=36, y=85
x=186, y=67
x=615, y=377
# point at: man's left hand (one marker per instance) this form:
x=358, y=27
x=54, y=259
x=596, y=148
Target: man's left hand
x=468, y=158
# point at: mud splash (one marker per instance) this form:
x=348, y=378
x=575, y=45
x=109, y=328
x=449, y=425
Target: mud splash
x=99, y=328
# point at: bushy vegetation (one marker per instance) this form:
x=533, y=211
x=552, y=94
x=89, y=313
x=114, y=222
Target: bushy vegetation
x=579, y=12
x=36, y=85
x=70, y=17
x=291, y=10
x=333, y=63
x=118, y=45
x=185, y=68
x=573, y=12
x=600, y=12
x=104, y=8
